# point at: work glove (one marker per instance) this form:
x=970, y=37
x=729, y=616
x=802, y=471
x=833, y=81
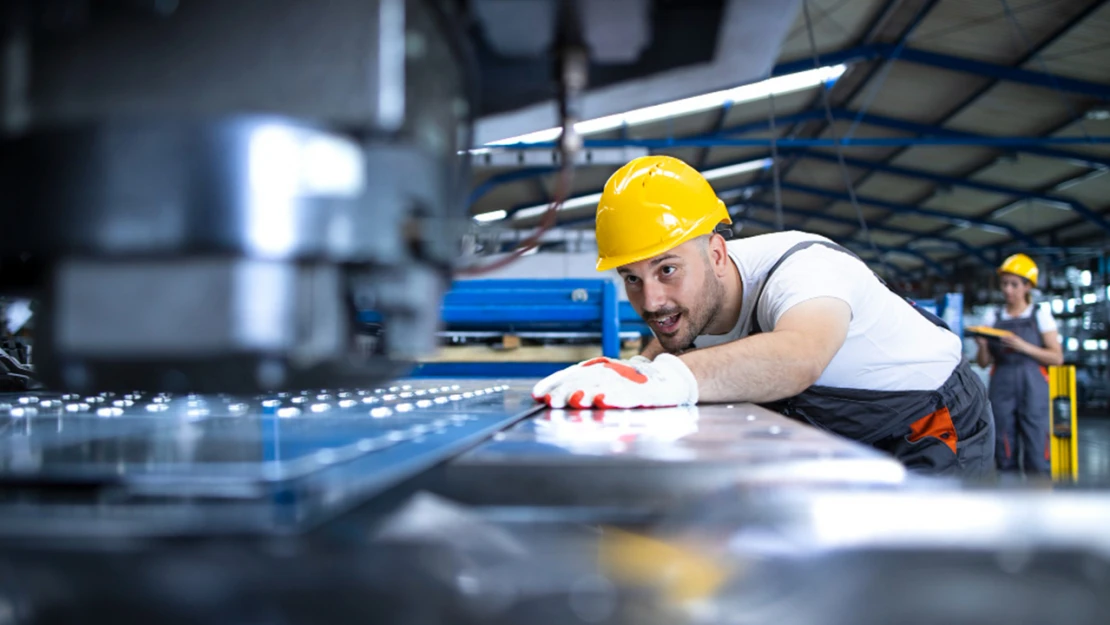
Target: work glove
x=609, y=383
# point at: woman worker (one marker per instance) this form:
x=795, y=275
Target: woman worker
x=1019, y=378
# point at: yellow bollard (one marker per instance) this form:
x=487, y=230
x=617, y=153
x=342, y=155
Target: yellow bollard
x=1064, y=434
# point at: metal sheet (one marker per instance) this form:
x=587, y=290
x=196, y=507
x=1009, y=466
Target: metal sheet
x=155, y=463
x=651, y=457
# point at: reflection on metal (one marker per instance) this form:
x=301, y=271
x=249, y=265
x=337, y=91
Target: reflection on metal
x=650, y=458
x=274, y=462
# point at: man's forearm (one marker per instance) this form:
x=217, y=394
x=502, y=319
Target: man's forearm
x=760, y=368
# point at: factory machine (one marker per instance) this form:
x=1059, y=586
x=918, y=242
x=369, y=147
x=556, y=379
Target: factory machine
x=200, y=196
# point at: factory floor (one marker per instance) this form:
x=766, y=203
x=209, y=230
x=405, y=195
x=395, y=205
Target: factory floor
x=1094, y=450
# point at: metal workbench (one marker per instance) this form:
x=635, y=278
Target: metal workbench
x=460, y=501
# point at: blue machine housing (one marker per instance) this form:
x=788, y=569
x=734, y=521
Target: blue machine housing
x=548, y=305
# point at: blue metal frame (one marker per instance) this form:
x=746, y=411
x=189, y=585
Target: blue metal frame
x=951, y=218
x=949, y=62
x=866, y=248
x=951, y=181
x=573, y=305
x=943, y=137
x=808, y=214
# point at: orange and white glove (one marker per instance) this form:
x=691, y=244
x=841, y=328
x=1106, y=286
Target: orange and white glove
x=609, y=383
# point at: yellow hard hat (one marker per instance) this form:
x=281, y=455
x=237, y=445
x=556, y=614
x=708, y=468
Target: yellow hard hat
x=1022, y=266
x=650, y=205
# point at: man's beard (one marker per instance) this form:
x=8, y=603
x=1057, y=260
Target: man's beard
x=694, y=322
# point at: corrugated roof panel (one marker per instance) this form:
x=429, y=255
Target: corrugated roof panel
x=821, y=174
x=836, y=24
x=767, y=215
x=917, y=223
x=845, y=210
x=840, y=129
x=1027, y=171
x=1081, y=233
x=793, y=199
x=1033, y=216
x=889, y=239
x=952, y=161
x=1092, y=189
x=830, y=229
x=894, y=188
x=730, y=155
x=979, y=29
x=1082, y=53
x=978, y=237
x=751, y=230
x=760, y=110
x=1011, y=109
x=1088, y=127
x=692, y=124
x=961, y=201
x=915, y=92
x=688, y=155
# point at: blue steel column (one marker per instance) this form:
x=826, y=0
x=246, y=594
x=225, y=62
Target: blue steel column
x=610, y=321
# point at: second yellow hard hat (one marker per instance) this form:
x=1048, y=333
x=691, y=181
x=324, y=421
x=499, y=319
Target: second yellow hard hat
x=650, y=205
x=1020, y=265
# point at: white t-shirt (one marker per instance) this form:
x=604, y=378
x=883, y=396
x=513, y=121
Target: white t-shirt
x=1045, y=321
x=889, y=347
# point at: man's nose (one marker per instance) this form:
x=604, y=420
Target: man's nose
x=655, y=295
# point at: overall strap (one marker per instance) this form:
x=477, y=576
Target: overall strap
x=756, y=329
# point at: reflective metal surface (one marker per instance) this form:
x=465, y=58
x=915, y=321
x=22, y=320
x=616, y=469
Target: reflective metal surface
x=649, y=457
x=913, y=556
x=219, y=462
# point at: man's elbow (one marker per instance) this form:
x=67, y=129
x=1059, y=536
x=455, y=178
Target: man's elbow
x=806, y=374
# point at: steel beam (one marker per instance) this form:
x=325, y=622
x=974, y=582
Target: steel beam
x=1031, y=145
x=929, y=262
x=952, y=181
x=808, y=214
x=953, y=63
x=1077, y=19
x=906, y=209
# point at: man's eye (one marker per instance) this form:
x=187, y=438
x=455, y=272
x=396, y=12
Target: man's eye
x=668, y=270
x=631, y=279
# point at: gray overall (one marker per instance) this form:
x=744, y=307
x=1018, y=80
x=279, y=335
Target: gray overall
x=948, y=431
x=1019, y=397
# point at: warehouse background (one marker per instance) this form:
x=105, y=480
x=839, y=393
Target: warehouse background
x=969, y=130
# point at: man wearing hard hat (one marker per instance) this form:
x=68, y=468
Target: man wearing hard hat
x=789, y=320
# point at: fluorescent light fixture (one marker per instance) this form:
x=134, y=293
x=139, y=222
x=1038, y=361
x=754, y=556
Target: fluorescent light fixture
x=593, y=198
x=737, y=169
x=490, y=216
x=1073, y=343
x=1058, y=306
x=1085, y=278
x=568, y=204
x=779, y=85
x=1089, y=298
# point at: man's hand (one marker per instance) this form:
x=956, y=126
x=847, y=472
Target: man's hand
x=608, y=383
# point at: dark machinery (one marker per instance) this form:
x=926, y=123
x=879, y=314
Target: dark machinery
x=202, y=192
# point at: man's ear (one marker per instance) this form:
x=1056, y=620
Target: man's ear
x=718, y=254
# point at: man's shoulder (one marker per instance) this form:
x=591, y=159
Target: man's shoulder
x=773, y=245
